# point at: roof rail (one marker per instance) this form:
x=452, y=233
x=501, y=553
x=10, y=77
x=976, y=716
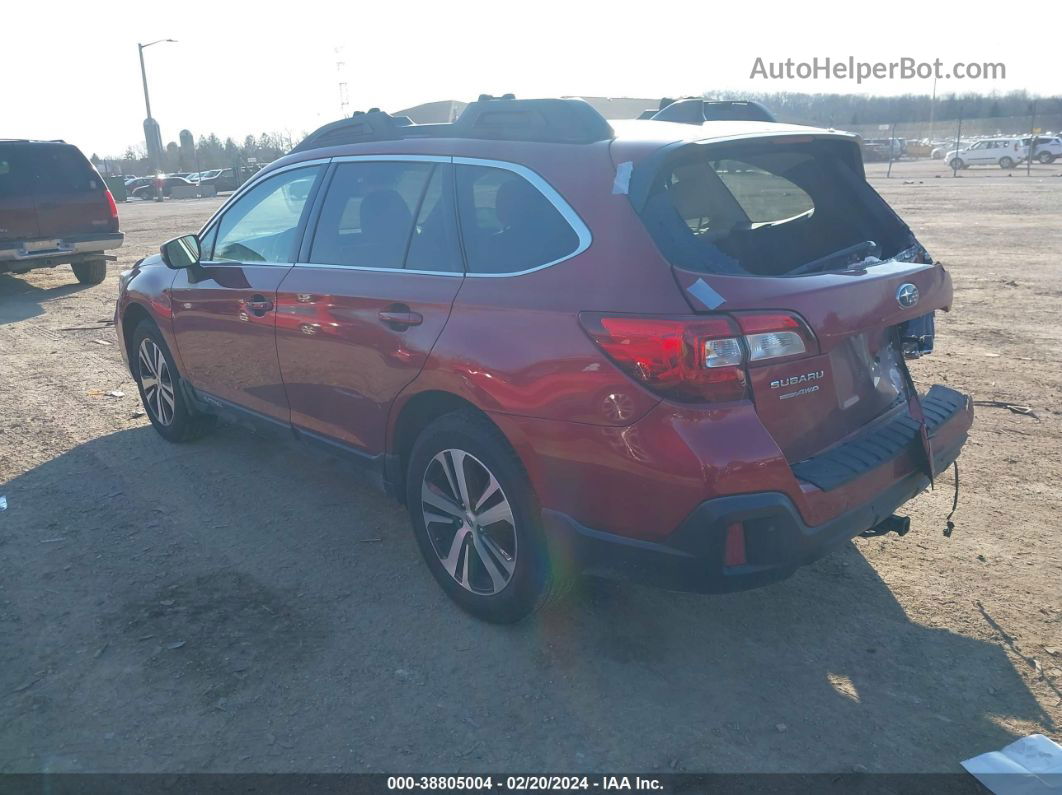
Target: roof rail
x=502, y=118
x=697, y=111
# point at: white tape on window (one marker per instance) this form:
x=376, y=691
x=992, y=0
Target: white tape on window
x=621, y=185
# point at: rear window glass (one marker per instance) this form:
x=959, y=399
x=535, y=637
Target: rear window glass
x=45, y=169
x=769, y=210
x=507, y=224
x=63, y=169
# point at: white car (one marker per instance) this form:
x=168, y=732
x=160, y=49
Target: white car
x=1004, y=152
x=1048, y=148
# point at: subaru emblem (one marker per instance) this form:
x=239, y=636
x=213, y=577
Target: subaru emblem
x=907, y=295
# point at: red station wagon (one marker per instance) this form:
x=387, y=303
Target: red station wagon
x=670, y=348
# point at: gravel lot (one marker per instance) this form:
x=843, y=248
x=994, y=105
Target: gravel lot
x=231, y=606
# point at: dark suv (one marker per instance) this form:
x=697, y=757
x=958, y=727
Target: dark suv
x=670, y=350
x=54, y=209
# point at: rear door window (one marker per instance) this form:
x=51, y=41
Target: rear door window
x=507, y=224
x=367, y=218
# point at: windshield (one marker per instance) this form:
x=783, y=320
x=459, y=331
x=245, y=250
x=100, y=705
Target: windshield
x=769, y=209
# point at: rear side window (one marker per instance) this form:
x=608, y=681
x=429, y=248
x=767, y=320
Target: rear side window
x=507, y=224
x=388, y=214
x=14, y=179
x=261, y=226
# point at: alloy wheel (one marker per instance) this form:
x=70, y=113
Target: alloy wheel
x=156, y=381
x=469, y=521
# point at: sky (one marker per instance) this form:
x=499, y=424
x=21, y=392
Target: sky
x=272, y=67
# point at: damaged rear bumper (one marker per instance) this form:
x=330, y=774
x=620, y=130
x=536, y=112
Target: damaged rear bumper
x=776, y=540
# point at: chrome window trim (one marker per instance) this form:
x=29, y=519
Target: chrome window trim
x=567, y=212
x=581, y=230
x=393, y=158
x=333, y=266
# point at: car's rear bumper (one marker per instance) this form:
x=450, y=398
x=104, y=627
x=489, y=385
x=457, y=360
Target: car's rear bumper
x=18, y=254
x=777, y=540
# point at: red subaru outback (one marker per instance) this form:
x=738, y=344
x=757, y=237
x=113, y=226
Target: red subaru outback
x=671, y=350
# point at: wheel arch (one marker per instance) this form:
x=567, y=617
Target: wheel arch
x=410, y=417
x=132, y=317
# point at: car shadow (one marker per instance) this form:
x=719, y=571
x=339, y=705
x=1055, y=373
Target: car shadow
x=237, y=605
x=20, y=300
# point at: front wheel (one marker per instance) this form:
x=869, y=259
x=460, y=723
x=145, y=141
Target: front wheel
x=91, y=271
x=160, y=390
x=956, y=164
x=476, y=519
x=1046, y=158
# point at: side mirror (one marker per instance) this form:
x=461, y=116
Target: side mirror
x=181, y=252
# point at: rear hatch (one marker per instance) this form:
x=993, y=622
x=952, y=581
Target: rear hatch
x=784, y=235
x=71, y=197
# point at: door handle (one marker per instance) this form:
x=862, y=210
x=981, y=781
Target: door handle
x=258, y=305
x=400, y=317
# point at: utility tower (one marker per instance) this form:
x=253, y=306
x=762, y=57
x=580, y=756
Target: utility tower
x=344, y=97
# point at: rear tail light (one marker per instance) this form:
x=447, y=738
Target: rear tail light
x=774, y=335
x=111, y=206
x=699, y=358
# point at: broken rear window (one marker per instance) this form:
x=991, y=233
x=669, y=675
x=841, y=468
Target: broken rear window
x=769, y=209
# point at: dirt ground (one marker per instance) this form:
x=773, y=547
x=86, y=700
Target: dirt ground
x=230, y=606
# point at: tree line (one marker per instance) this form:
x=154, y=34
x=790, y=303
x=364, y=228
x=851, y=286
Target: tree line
x=208, y=152
x=840, y=110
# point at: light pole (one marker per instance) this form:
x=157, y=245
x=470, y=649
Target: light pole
x=152, y=136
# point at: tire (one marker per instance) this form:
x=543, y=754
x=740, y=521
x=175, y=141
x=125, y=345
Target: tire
x=92, y=271
x=956, y=164
x=165, y=402
x=499, y=572
x=1006, y=162
x=1046, y=158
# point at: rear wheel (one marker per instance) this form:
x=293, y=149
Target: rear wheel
x=476, y=519
x=91, y=271
x=957, y=164
x=1006, y=162
x=1046, y=158
x=160, y=388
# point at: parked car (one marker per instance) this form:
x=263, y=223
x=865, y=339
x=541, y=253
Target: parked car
x=223, y=179
x=1004, y=152
x=566, y=345
x=148, y=188
x=1048, y=148
x=884, y=149
x=54, y=209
